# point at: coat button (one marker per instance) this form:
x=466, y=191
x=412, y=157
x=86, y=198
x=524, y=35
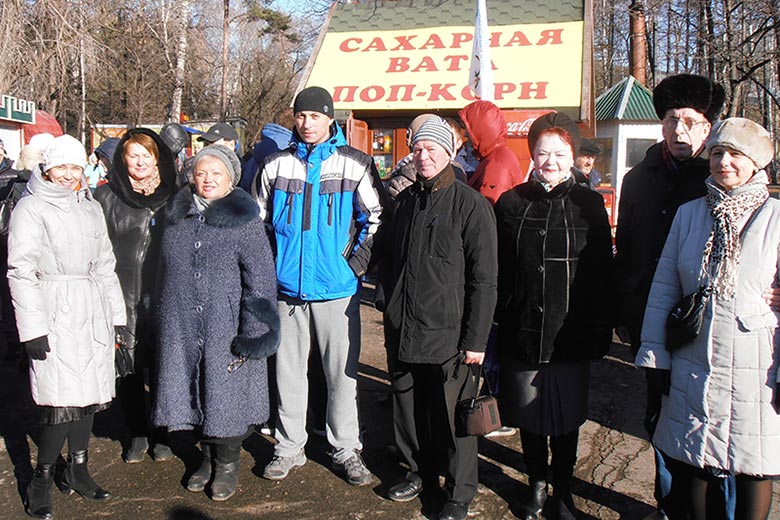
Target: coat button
x=663, y=212
x=201, y=218
x=197, y=276
x=197, y=244
x=539, y=308
x=200, y=342
x=542, y=232
x=540, y=269
x=65, y=308
x=198, y=309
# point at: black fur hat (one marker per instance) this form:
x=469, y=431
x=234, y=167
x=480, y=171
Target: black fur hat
x=689, y=91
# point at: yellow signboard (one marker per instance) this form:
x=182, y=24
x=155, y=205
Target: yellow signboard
x=534, y=66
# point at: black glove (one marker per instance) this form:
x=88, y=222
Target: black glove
x=777, y=398
x=658, y=381
x=37, y=348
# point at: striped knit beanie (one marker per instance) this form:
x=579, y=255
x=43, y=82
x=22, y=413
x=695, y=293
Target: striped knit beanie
x=437, y=130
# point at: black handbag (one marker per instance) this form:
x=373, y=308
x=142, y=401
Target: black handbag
x=124, y=357
x=6, y=206
x=685, y=320
x=477, y=415
x=687, y=316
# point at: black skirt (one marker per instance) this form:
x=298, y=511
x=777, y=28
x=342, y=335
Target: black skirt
x=65, y=414
x=548, y=399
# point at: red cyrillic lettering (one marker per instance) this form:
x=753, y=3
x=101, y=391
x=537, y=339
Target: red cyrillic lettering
x=376, y=45
x=426, y=64
x=459, y=39
x=372, y=93
x=434, y=42
x=518, y=38
x=400, y=64
x=344, y=47
x=504, y=88
x=455, y=61
x=552, y=36
x=395, y=89
x=338, y=96
x=404, y=43
x=526, y=88
x=441, y=91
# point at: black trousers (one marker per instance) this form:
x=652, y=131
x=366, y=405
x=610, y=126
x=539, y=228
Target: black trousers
x=424, y=399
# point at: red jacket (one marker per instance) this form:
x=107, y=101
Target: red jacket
x=499, y=168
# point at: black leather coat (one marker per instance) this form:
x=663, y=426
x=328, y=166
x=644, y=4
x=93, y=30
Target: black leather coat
x=554, y=267
x=135, y=227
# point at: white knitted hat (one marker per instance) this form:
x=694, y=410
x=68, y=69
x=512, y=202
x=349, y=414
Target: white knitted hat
x=744, y=136
x=64, y=150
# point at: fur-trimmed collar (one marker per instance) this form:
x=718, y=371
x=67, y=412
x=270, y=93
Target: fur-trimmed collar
x=235, y=209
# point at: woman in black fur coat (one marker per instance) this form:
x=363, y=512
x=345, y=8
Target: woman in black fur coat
x=217, y=318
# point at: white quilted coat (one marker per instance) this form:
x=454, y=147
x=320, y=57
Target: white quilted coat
x=719, y=411
x=63, y=285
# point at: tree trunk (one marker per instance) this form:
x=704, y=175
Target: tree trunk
x=225, y=31
x=181, y=55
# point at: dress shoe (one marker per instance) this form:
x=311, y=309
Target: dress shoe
x=226, y=466
x=532, y=510
x=454, y=511
x=406, y=490
x=136, y=451
x=198, y=480
x=162, y=453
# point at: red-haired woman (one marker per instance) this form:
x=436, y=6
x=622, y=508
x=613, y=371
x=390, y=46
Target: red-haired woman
x=555, y=255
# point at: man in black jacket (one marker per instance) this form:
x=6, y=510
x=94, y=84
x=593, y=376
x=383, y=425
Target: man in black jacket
x=440, y=281
x=671, y=174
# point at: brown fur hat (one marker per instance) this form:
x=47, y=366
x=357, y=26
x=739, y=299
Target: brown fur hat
x=689, y=91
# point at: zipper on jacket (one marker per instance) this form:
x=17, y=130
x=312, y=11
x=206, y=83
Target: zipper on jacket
x=289, y=208
x=330, y=209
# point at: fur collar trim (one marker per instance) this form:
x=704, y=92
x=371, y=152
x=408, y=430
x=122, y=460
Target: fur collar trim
x=235, y=209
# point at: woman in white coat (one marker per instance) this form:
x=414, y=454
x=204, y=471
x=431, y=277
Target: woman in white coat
x=720, y=417
x=68, y=305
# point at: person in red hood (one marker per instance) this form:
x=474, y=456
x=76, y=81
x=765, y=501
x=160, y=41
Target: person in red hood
x=499, y=168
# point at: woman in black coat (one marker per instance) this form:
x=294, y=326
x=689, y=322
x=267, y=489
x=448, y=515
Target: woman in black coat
x=217, y=318
x=141, y=182
x=555, y=258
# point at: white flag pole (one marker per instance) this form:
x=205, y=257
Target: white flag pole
x=481, y=73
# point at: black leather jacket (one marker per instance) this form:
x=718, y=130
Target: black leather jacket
x=135, y=226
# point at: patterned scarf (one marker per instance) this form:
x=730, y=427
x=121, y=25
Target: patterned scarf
x=548, y=187
x=146, y=186
x=721, y=252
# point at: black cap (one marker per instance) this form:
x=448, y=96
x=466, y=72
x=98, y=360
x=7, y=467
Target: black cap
x=689, y=91
x=588, y=147
x=314, y=99
x=219, y=131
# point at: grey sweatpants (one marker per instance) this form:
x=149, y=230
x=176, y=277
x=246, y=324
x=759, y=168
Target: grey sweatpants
x=335, y=325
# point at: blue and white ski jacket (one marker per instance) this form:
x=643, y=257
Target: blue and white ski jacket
x=323, y=204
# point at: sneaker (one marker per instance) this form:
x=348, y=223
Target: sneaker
x=504, y=431
x=280, y=467
x=354, y=470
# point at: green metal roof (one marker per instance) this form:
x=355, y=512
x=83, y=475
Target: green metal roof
x=628, y=100
x=379, y=15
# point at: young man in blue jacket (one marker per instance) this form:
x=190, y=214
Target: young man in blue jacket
x=321, y=198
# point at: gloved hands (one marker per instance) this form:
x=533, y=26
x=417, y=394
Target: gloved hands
x=37, y=348
x=658, y=381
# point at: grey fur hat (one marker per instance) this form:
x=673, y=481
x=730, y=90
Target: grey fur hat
x=224, y=154
x=744, y=136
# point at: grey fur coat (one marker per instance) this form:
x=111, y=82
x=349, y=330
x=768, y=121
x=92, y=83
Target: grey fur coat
x=217, y=302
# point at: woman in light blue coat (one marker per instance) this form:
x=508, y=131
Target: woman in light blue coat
x=720, y=417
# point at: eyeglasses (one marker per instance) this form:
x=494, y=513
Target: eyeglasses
x=670, y=123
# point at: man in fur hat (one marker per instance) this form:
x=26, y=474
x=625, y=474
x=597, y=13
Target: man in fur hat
x=671, y=174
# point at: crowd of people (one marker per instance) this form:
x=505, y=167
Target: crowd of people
x=225, y=280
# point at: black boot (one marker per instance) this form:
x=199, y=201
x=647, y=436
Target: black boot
x=38, y=501
x=202, y=475
x=225, y=481
x=76, y=478
x=532, y=509
x=563, y=501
